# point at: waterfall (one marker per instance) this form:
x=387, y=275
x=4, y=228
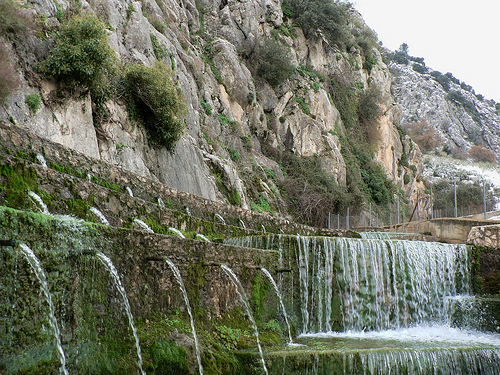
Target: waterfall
x=116, y=278
x=143, y=226
x=244, y=300
x=188, y=306
x=98, y=214
x=367, y=284
x=129, y=191
x=40, y=274
x=280, y=298
x=35, y=198
x=381, y=284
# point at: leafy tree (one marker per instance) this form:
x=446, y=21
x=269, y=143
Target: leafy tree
x=442, y=79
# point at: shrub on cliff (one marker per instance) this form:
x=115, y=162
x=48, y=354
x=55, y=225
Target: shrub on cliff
x=81, y=55
x=156, y=101
x=329, y=17
x=274, y=62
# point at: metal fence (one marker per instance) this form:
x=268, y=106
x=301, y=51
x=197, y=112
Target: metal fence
x=372, y=219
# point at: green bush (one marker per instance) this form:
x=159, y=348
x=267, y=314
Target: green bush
x=33, y=101
x=331, y=17
x=82, y=55
x=419, y=68
x=168, y=358
x=156, y=101
x=442, y=79
x=274, y=62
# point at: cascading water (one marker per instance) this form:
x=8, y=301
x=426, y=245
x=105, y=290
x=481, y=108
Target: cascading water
x=116, y=278
x=244, y=300
x=381, y=284
x=188, y=306
x=381, y=306
x=282, y=305
x=40, y=274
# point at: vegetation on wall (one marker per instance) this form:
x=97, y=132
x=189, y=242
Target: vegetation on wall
x=155, y=100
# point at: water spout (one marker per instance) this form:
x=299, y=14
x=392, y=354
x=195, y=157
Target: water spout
x=41, y=160
x=161, y=203
x=202, y=237
x=188, y=306
x=98, y=214
x=114, y=273
x=220, y=218
x=40, y=274
x=35, y=198
x=244, y=300
x=278, y=294
x=143, y=226
x=177, y=232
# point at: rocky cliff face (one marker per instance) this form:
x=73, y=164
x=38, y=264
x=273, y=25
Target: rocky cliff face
x=461, y=118
x=232, y=115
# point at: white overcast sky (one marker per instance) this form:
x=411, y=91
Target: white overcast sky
x=457, y=36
